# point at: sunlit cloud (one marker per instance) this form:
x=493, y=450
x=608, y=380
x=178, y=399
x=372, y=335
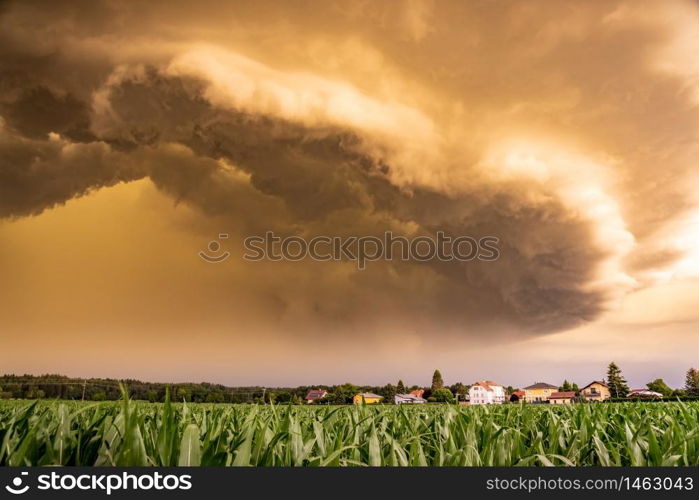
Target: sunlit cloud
x=130, y=136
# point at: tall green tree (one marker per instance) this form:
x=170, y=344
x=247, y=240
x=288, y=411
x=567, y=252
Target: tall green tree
x=388, y=392
x=343, y=394
x=459, y=388
x=616, y=382
x=437, y=381
x=691, y=382
x=400, y=388
x=182, y=394
x=659, y=385
x=566, y=387
x=443, y=395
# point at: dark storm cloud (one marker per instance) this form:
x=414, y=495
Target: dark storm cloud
x=270, y=160
x=323, y=173
x=39, y=174
x=38, y=111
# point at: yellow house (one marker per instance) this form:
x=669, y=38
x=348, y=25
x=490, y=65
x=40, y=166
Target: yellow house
x=596, y=390
x=368, y=397
x=539, y=392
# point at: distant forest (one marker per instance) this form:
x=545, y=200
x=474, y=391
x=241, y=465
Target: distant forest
x=105, y=389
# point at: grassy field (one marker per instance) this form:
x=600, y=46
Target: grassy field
x=135, y=433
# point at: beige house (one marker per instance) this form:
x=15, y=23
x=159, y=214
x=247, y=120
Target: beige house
x=561, y=398
x=597, y=390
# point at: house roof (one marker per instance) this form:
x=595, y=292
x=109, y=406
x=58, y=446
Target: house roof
x=410, y=397
x=519, y=394
x=368, y=395
x=487, y=384
x=541, y=385
x=600, y=382
x=644, y=393
x=562, y=395
x=316, y=394
x=418, y=392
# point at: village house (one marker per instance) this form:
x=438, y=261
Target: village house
x=597, y=390
x=562, y=398
x=644, y=394
x=315, y=394
x=517, y=397
x=417, y=393
x=539, y=392
x=400, y=399
x=486, y=392
x=368, y=397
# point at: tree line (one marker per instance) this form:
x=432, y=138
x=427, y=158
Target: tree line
x=54, y=386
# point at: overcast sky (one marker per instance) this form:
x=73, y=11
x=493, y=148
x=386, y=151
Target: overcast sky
x=131, y=135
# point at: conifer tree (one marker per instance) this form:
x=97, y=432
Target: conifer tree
x=691, y=382
x=401, y=387
x=437, y=382
x=616, y=382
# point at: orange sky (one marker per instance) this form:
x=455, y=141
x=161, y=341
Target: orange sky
x=131, y=136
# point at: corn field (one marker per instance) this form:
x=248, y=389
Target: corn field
x=136, y=433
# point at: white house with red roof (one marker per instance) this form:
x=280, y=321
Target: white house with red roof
x=315, y=394
x=486, y=392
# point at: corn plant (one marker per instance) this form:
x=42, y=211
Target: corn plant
x=138, y=433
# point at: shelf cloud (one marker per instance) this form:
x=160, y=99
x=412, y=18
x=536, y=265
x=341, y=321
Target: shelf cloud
x=573, y=142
